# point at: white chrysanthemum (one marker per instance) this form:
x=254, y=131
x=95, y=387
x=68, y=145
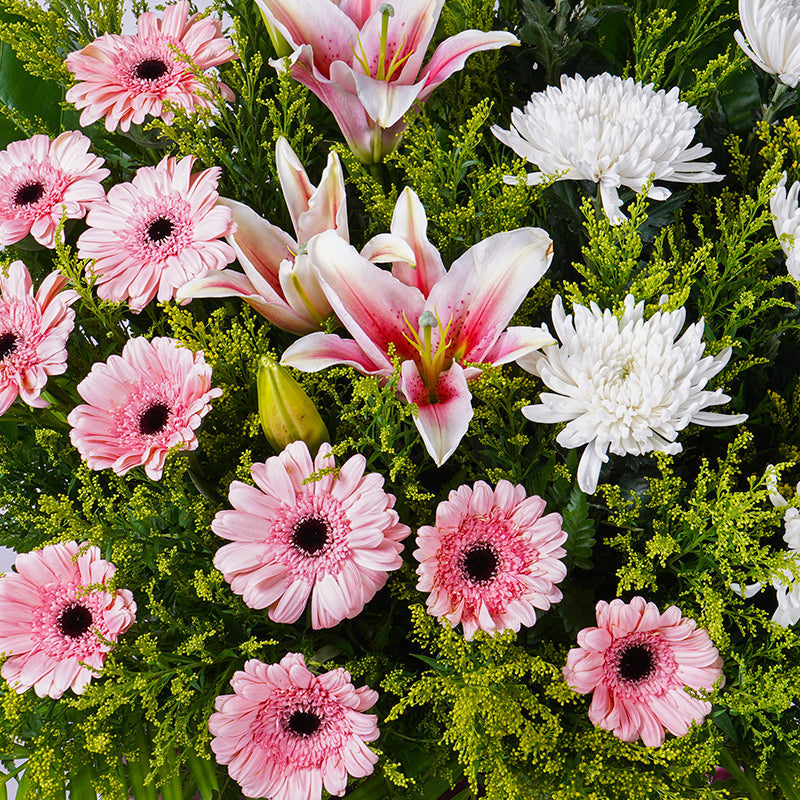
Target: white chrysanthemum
x=772, y=36
x=788, y=596
x=611, y=131
x=624, y=385
x=786, y=209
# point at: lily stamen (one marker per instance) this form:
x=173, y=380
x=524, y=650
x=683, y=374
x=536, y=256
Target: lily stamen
x=386, y=11
x=431, y=363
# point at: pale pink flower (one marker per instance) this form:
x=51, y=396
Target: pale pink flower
x=285, y=732
x=335, y=538
x=125, y=78
x=434, y=320
x=639, y=663
x=279, y=279
x=363, y=59
x=491, y=559
x=43, y=180
x=58, y=620
x=151, y=236
x=33, y=334
x=141, y=405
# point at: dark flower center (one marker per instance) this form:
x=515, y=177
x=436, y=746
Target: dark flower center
x=8, y=343
x=153, y=419
x=636, y=663
x=479, y=563
x=28, y=194
x=159, y=229
x=151, y=69
x=304, y=723
x=74, y=620
x=310, y=535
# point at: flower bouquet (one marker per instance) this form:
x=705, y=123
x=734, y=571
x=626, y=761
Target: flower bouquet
x=400, y=400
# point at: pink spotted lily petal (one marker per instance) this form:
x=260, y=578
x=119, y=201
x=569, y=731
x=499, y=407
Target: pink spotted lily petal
x=364, y=60
x=462, y=318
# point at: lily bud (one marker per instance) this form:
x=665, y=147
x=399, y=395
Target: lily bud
x=286, y=411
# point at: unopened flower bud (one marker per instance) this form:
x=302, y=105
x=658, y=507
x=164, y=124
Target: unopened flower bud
x=286, y=411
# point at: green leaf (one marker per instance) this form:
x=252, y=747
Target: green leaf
x=29, y=96
x=580, y=528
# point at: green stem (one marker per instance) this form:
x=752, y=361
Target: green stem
x=786, y=780
x=775, y=104
x=598, y=204
x=741, y=777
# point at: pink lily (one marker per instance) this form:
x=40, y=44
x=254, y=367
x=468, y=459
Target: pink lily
x=437, y=321
x=279, y=279
x=363, y=59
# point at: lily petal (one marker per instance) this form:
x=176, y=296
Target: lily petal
x=442, y=424
x=297, y=188
x=327, y=207
x=485, y=286
x=385, y=102
x=360, y=10
x=228, y=283
x=356, y=126
x=411, y=223
x=516, y=342
x=260, y=246
x=373, y=317
x=321, y=350
x=302, y=291
x=386, y=247
x=451, y=55
x=410, y=31
x=319, y=23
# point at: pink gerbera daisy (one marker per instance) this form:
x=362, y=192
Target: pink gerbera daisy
x=155, y=234
x=42, y=180
x=33, y=334
x=141, y=405
x=286, y=732
x=639, y=663
x=335, y=538
x=491, y=559
x=59, y=621
x=125, y=78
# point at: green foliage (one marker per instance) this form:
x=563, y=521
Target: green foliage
x=494, y=716
x=686, y=543
x=559, y=32
x=465, y=198
x=667, y=41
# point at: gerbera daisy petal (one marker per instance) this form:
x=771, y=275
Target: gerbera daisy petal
x=160, y=393
x=42, y=180
x=33, y=334
x=166, y=240
x=286, y=732
x=639, y=675
x=477, y=561
x=314, y=538
x=125, y=78
x=61, y=618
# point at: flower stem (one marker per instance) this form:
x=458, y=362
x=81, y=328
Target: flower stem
x=745, y=780
x=778, y=100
